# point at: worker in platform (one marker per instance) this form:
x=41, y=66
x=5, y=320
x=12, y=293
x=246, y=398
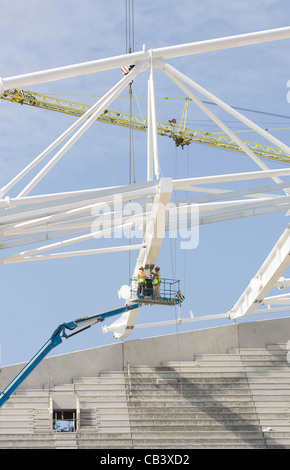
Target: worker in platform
x=141, y=279
x=156, y=277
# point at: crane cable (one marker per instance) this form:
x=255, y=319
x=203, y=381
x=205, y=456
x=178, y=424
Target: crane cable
x=129, y=14
x=129, y=18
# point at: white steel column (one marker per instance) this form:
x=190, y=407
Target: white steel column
x=154, y=131
x=154, y=234
x=149, y=138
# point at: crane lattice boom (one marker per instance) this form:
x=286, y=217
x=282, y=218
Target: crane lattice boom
x=181, y=136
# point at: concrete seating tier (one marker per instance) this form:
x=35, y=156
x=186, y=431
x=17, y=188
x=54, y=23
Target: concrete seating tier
x=235, y=400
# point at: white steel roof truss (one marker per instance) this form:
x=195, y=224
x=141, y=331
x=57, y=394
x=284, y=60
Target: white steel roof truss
x=27, y=219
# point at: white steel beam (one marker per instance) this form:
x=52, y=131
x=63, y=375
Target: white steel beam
x=199, y=189
x=88, y=236
x=70, y=254
x=250, y=175
x=248, y=192
x=226, y=215
x=47, y=198
x=277, y=300
x=192, y=319
x=182, y=50
x=266, y=278
x=220, y=207
x=178, y=321
x=106, y=196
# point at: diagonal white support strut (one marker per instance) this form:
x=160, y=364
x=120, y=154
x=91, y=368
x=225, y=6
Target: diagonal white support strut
x=179, y=78
x=98, y=109
x=266, y=278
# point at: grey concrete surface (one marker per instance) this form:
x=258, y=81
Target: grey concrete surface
x=60, y=369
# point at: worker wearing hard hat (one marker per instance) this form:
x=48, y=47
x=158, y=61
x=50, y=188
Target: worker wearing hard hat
x=141, y=279
x=156, y=277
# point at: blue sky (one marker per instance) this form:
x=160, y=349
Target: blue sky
x=41, y=34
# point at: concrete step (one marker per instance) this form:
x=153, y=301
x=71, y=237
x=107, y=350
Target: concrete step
x=95, y=442
x=109, y=411
x=181, y=379
x=102, y=394
x=205, y=445
x=275, y=381
x=197, y=405
x=189, y=389
x=199, y=373
x=113, y=430
x=189, y=415
x=99, y=380
x=26, y=398
x=170, y=364
x=23, y=406
x=203, y=366
x=112, y=374
x=198, y=426
x=229, y=358
x=181, y=434
x=62, y=388
x=79, y=388
x=185, y=385
x=262, y=352
x=118, y=406
x=271, y=389
x=33, y=393
x=65, y=440
x=219, y=441
x=93, y=398
x=197, y=398
x=10, y=413
x=274, y=366
x=278, y=443
x=113, y=423
x=268, y=374
x=277, y=346
x=275, y=407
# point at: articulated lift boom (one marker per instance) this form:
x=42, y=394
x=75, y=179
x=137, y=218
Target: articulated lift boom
x=55, y=340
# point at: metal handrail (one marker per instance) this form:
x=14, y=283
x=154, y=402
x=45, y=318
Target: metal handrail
x=168, y=287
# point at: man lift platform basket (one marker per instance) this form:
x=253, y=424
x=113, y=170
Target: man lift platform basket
x=169, y=292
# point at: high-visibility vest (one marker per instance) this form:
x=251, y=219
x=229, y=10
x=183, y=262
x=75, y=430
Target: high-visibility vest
x=140, y=276
x=157, y=279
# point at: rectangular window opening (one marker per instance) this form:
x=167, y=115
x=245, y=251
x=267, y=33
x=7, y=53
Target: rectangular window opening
x=64, y=420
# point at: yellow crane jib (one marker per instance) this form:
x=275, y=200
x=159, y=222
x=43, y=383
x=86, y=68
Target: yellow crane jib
x=181, y=134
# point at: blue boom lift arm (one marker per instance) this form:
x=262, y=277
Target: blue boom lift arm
x=55, y=340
